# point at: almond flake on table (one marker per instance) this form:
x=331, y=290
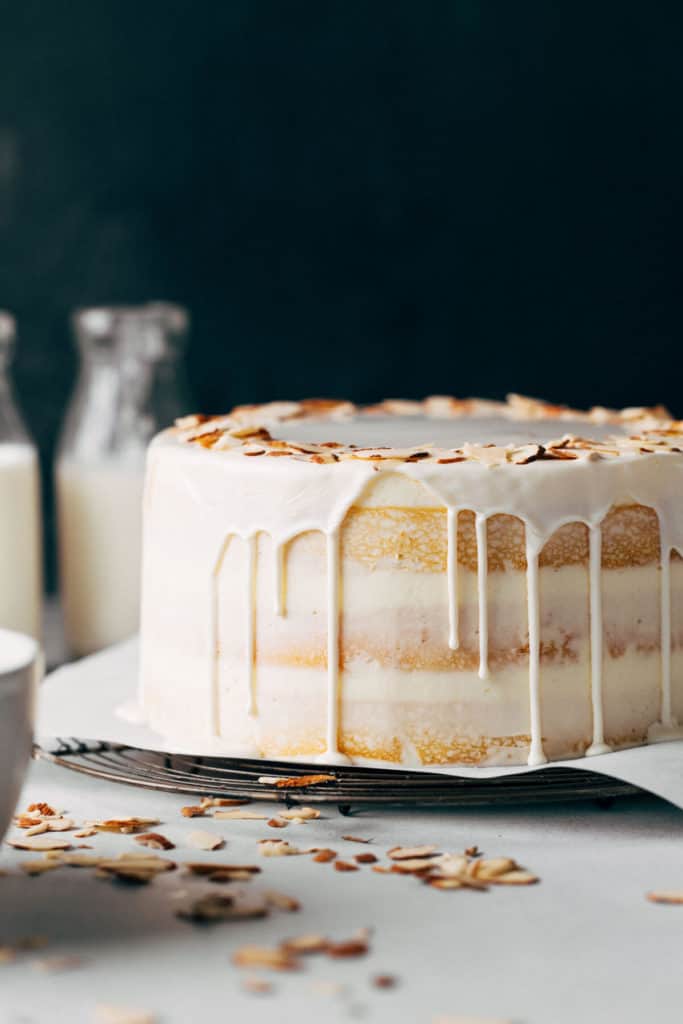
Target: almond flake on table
x=384, y=981
x=154, y=841
x=277, y=823
x=105, y=1014
x=192, y=811
x=348, y=948
x=299, y=813
x=324, y=856
x=85, y=833
x=356, y=839
x=46, y=841
x=205, y=840
x=215, y=907
x=305, y=944
x=224, y=801
x=410, y=852
x=365, y=858
x=39, y=865
x=278, y=848
x=281, y=901
x=239, y=816
x=272, y=959
x=123, y=825
x=344, y=865
x=671, y=896
x=203, y=867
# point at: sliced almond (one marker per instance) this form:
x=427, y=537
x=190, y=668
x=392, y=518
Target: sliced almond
x=123, y=825
x=193, y=811
x=301, y=781
x=85, y=833
x=154, y=841
x=41, y=842
x=411, y=866
x=491, y=867
x=517, y=877
x=410, y=852
x=205, y=840
x=216, y=907
x=299, y=813
x=305, y=944
x=277, y=959
x=39, y=865
x=281, y=901
x=324, y=856
x=365, y=858
x=210, y=868
x=672, y=896
x=356, y=839
x=344, y=865
x=277, y=823
x=277, y=848
x=352, y=947
x=36, y=830
x=224, y=801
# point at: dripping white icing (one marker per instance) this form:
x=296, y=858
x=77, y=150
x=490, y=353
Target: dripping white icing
x=333, y=611
x=452, y=574
x=279, y=578
x=598, y=746
x=226, y=494
x=249, y=668
x=536, y=755
x=482, y=578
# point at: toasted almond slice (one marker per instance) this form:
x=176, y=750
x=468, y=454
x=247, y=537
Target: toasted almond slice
x=141, y=862
x=491, y=867
x=277, y=959
x=516, y=877
x=352, y=947
x=445, y=883
x=301, y=781
x=281, y=901
x=473, y=851
x=36, y=830
x=305, y=944
x=41, y=808
x=123, y=1015
x=411, y=867
x=672, y=896
x=41, y=842
x=123, y=825
x=384, y=981
x=410, y=852
x=224, y=801
x=449, y=865
x=299, y=813
x=239, y=816
x=382, y=869
x=85, y=833
x=344, y=865
x=356, y=839
x=277, y=823
x=59, y=824
x=63, y=962
x=365, y=858
x=154, y=841
x=205, y=840
x=323, y=856
x=277, y=848
x=193, y=811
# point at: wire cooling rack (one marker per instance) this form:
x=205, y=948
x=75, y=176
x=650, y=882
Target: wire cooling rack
x=351, y=787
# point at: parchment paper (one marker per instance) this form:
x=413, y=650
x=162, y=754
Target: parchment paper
x=81, y=700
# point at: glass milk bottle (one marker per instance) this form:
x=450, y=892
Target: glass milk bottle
x=20, y=523
x=130, y=386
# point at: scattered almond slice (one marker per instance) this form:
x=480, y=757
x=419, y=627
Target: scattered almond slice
x=277, y=848
x=299, y=814
x=356, y=839
x=123, y=825
x=203, y=868
x=215, y=907
x=516, y=877
x=411, y=866
x=449, y=865
x=382, y=869
x=36, y=830
x=39, y=865
x=301, y=781
x=224, y=801
x=365, y=858
x=123, y=1015
x=41, y=808
x=59, y=824
x=384, y=981
x=154, y=841
x=85, y=833
x=671, y=896
x=445, y=883
x=277, y=959
x=204, y=841
x=305, y=944
x=410, y=852
x=277, y=823
x=281, y=901
x=344, y=865
x=473, y=851
x=491, y=867
x=324, y=856
x=351, y=947
x=192, y=811
x=239, y=816
x=41, y=842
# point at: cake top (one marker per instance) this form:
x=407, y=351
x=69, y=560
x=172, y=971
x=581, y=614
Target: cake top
x=438, y=429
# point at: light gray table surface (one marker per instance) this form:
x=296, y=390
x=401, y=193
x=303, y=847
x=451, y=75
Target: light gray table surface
x=584, y=944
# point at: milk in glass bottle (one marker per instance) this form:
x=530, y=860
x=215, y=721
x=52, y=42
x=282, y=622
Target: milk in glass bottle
x=20, y=523
x=130, y=386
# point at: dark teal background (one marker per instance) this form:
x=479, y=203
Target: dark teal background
x=358, y=199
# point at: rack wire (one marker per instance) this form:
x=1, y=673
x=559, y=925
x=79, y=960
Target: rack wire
x=350, y=788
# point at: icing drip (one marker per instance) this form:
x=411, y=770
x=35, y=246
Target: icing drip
x=598, y=746
x=536, y=755
x=666, y=715
x=482, y=576
x=452, y=572
x=251, y=626
x=212, y=643
x=279, y=573
x=333, y=583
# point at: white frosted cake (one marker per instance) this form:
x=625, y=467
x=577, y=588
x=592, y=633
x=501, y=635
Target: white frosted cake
x=414, y=583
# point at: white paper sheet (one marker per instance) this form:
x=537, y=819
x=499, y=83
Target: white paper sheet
x=81, y=699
